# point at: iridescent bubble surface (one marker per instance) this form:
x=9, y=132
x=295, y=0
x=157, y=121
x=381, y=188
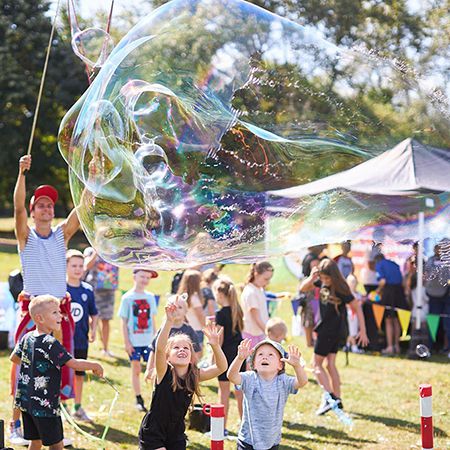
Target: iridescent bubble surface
x=207, y=108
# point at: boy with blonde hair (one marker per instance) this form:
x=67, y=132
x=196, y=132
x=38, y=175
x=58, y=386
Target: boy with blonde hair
x=41, y=357
x=276, y=329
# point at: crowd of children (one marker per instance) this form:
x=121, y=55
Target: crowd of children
x=247, y=349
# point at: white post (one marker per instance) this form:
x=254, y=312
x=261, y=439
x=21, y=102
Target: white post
x=421, y=233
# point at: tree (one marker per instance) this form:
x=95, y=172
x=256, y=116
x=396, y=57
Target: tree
x=24, y=32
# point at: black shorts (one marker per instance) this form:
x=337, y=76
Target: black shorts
x=393, y=296
x=47, y=429
x=230, y=354
x=241, y=445
x=326, y=343
x=80, y=353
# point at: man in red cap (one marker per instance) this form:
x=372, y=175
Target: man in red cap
x=42, y=251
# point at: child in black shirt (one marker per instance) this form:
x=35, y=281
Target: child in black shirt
x=334, y=295
x=41, y=357
x=177, y=380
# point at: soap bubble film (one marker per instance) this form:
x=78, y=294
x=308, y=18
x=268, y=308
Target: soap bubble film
x=207, y=111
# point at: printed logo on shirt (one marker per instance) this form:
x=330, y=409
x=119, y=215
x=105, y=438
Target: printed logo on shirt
x=141, y=316
x=326, y=297
x=77, y=311
x=84, y=297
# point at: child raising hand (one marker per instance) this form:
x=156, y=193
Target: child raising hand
x=266, y=388
x=177, y=380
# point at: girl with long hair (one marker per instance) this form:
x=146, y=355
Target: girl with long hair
x=231, y=320
x=254, y=302
x=177, y=380
x=190, y=285
x=334, y=295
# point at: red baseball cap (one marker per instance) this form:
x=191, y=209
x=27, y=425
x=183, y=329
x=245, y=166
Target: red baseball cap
x=151, y=272
x=44, y=191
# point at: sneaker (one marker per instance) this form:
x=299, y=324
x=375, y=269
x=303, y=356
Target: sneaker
x=339, y=403
x=140, y=406
x=81, y=415
x=16, y=438
x=108, y=354
x=323, y=408
x=67, y=442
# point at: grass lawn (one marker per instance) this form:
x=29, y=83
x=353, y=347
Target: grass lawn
x=381, y=394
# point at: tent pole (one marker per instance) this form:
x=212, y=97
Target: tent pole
x=421, y=233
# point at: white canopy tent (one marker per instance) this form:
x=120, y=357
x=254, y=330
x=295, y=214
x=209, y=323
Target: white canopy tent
x=410, y=168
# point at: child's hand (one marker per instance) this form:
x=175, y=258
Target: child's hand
x=171, y=309
x=92, y=336
x=245, y=349
x=149, y=375
x=362, y=339
x=212, y=333
x=129, y=348
x=315, y=273
x=97, y=369
x=294, y=356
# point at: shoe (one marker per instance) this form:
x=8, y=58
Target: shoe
x=108, y=354
x=356, y=349
x=81, y=415
x=339, y=403
x=141, y=407
x=16, y=438
x=323, y=408
x=67, y=442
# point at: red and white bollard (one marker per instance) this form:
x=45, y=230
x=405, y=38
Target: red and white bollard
x=426, y=412
x=217, y=414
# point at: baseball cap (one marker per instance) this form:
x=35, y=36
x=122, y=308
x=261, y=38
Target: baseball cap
x=152, y=272
x=276, y=345
x=44, y=191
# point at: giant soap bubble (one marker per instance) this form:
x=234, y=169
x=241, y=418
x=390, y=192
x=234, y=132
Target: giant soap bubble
x=207, y=111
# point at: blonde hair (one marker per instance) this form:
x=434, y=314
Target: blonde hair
x=192, y=377
x=276, y=325
x=40, y=303
x=225, y=286
x=259, y=268
x=190, y=284
x=208, y=277
x=72, y=253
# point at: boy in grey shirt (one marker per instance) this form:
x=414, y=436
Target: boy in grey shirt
x=266, y=388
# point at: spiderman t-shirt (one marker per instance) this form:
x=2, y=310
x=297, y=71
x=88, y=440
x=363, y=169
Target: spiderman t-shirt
x=138, y=308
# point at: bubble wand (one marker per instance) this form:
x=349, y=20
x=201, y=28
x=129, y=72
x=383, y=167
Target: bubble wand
x=41, y=87
x=89, y=436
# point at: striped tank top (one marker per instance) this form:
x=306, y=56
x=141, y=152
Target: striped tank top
x=44, y=263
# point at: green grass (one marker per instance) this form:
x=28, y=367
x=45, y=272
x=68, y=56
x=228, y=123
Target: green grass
x=381, y=394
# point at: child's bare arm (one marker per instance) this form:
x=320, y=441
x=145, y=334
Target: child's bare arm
x=308, y=283
x=15, y=359
x=244, y=351
x=213, y=333
x=294, y=360
x=84, y=364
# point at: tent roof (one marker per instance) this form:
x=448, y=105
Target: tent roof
x=408, y=168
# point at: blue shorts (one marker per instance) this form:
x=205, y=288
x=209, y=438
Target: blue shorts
x=140, y=352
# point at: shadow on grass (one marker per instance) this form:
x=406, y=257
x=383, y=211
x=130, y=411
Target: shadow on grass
x=396, y=423
x=329, y=435
x=114, y=435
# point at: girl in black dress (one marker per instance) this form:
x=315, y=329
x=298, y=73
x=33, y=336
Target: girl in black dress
x=334, y=295
x=231, y=318
x=177, y=380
